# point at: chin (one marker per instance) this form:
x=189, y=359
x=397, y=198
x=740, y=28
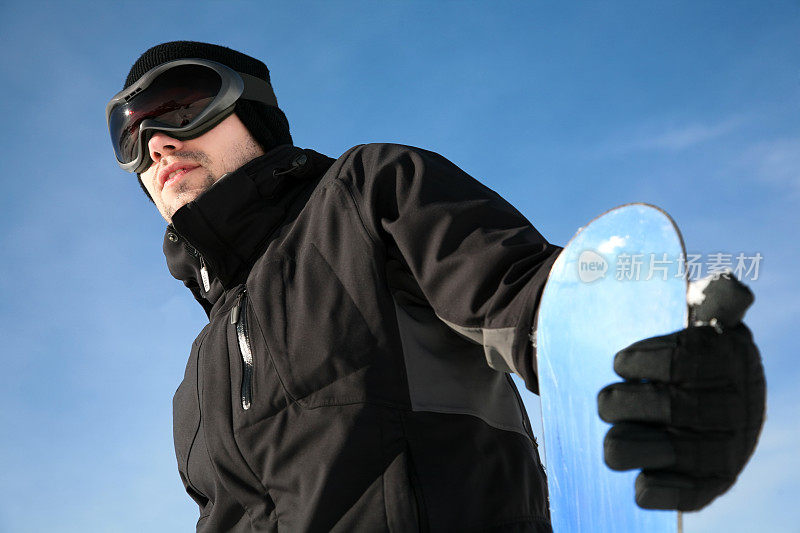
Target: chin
x=181, y=199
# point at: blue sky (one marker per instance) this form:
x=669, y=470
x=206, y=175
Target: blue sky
x=565, y=111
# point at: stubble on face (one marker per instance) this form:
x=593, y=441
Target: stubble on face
x=188, y=190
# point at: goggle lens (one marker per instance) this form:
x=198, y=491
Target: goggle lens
x=174, y=99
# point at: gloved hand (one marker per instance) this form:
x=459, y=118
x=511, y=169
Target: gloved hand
x=688, y=413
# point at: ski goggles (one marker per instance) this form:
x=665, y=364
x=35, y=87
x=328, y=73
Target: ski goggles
x=183, y=98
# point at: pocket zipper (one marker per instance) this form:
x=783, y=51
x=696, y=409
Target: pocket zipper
x=239, y=318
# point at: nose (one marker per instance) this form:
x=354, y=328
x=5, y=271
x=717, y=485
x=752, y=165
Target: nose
x=161, y=145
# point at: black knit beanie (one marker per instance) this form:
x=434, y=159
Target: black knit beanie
x=267, y=124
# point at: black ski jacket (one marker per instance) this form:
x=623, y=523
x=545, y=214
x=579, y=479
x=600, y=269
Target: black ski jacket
x=364, y=314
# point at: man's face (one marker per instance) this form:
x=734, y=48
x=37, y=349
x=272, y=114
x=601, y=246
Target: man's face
x=183, y=170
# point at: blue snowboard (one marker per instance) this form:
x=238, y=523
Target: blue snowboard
x=620, y=279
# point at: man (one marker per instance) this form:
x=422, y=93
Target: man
x=363, y=315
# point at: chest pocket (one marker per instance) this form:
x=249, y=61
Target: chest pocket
x=317, y=337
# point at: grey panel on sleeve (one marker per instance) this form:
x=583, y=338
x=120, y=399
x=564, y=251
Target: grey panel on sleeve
x=496, y=343
x=447, y=374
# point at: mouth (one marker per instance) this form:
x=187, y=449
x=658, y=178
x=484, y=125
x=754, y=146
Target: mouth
x=173, y=173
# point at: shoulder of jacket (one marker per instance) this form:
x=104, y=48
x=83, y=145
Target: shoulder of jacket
x=373, y=156
x=383, y=150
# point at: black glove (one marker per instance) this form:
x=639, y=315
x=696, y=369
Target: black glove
x=689, y=414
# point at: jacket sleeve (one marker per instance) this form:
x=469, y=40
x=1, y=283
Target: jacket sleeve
x=478, y=262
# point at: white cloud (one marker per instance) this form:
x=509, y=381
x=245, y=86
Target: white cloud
x=607, y=247
x=672, y=138
x=775, y=162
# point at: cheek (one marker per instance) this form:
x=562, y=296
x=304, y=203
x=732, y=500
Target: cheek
x=147, y=180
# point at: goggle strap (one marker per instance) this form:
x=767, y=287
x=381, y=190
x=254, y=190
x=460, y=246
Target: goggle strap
x=258, y=90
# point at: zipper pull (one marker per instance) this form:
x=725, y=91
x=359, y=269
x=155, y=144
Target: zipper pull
x=237, y=309
x=204, y=274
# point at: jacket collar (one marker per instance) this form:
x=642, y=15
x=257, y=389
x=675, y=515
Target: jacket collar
x=227, y=226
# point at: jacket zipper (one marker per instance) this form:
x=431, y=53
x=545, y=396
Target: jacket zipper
x=206, y=279
x=239, y=319
x=204, y=274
